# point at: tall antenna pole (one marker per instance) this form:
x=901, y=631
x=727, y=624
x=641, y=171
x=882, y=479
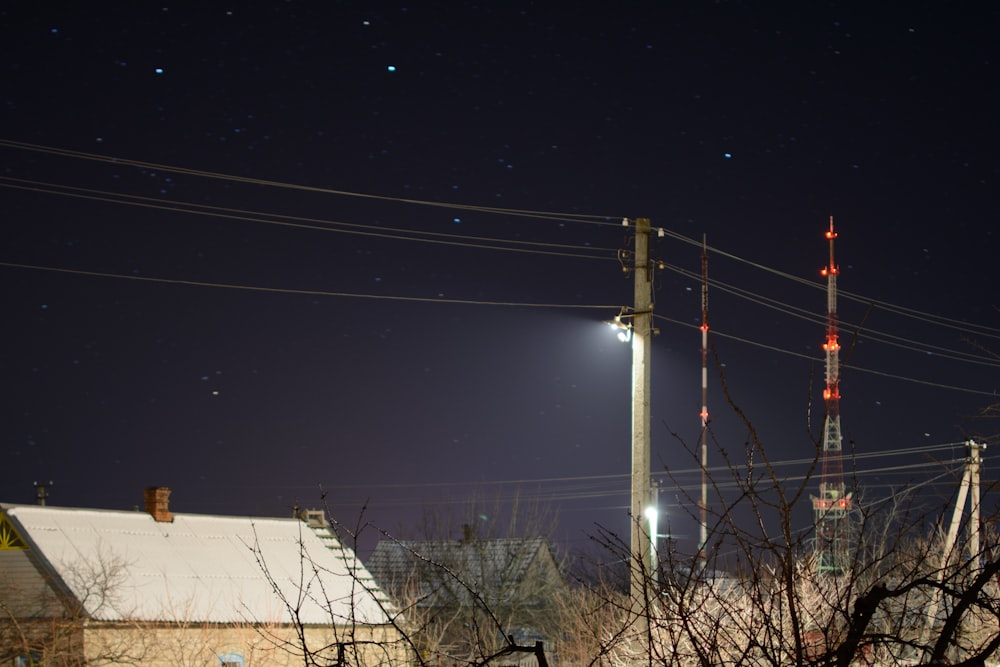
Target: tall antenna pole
x=833, y=504
x=703, y=531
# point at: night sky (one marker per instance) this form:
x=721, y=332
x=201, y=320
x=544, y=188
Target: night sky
x=272, y=253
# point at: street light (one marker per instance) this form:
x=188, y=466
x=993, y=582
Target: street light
x=624, y=329
x=653, y=518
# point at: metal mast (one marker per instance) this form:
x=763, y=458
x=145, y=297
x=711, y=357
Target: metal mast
x=831, y=508
x=703, y=529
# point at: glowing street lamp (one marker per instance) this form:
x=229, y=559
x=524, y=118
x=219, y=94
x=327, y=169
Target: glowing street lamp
x=624, y=329
x=653, y=519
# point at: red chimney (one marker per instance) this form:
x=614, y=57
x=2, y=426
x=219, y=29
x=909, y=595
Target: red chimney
x=158, y=503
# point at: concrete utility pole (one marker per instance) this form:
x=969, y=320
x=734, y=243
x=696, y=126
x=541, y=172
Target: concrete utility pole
x=642, y=566
x=968, y=489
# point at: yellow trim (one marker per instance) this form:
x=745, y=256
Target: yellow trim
x=9, y=539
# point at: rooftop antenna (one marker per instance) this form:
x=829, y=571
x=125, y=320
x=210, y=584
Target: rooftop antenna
x=42, y=491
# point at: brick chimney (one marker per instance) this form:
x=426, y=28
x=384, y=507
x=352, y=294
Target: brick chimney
x=158, y=503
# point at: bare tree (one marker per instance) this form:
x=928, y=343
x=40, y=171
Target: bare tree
x=756, y=595
x=42, y=622
x=488, y=593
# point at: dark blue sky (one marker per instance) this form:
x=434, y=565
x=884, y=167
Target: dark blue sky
x=750, y=123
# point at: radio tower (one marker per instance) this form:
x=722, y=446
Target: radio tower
x=703, y=505
x=832, y=507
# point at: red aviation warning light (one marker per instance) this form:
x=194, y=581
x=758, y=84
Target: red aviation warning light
x=831, y=269
x=827, y=504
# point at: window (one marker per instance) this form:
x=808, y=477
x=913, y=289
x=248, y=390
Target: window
x=28, y=660
x=231, y=660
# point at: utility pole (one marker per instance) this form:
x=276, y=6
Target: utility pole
x=641, y=561
x=968, y=489
x=640, y=332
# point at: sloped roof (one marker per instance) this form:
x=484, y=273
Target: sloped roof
x=317, y=521
x=198, y=568
x=494, y=568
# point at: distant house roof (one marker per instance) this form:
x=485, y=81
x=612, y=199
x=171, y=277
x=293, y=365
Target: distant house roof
x=494, y=568
x=200, y=568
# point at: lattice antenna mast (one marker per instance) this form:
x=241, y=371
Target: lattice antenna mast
x=703, y=529
x=831, y=508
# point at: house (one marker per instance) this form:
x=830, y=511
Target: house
x=86, y=586
x=462, y=597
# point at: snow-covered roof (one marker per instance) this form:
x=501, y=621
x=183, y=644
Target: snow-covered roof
x=197, y=568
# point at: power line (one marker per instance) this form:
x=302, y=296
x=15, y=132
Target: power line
x=442, y=238
x=488, y=243
x=280, y=290
x=614, y=486
x=853, y=367
x=436, y=237
x=566, y=217
x=118, y=161
x=588, y=481
x=604, y=220
x=872, y=335
x=386, y=297
x=930, y=318
x=869, y=334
